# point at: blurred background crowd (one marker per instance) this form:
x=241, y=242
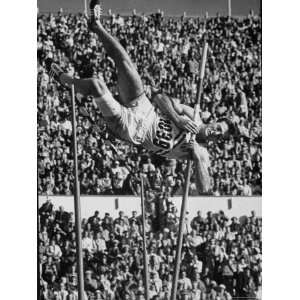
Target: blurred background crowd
x=167, y=50
x=221, y=258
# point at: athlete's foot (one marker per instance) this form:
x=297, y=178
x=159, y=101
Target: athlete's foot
x=95, y=10
x=54, y=70
x=94, y=22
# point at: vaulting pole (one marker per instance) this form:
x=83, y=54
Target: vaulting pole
x=85, y=7
x=229, y=8
x=187, y=182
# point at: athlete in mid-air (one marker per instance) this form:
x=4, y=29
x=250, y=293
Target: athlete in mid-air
x=162, y=125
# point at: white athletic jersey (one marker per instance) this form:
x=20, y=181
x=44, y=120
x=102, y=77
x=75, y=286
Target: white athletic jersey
x=142, y=125
x=166, y=139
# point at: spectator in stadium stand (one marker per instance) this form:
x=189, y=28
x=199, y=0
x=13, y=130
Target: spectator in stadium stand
x=94, y=218
x=226, y=264
x=45, y=211
x=197, y=221
x=232, y=86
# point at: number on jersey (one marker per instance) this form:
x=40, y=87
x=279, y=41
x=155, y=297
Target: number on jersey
x=163, y=134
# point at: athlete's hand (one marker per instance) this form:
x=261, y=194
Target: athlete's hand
x=187, y=124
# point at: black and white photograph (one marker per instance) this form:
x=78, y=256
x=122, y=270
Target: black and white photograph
x=149, y=150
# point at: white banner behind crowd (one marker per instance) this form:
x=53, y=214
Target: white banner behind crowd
x=232, y=206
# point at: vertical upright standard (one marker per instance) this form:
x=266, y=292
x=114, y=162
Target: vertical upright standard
x=145, y=257
x=85, y=8
x=80, y=283
x=229, y=8
x=187, y=182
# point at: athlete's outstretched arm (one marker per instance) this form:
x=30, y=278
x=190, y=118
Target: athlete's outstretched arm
x=166, y=105
x=184, y=109
x=201, y=161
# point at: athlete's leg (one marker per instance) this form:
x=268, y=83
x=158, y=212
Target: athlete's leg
x=98, y=89
x=88, y=87
x=129, y=82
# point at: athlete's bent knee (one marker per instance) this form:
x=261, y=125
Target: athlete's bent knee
x=108, y=105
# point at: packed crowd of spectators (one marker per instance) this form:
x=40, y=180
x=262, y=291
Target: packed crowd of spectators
x=167, y=50
x=221, y=257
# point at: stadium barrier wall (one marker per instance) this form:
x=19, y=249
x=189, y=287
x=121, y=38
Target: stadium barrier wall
x=232, y=206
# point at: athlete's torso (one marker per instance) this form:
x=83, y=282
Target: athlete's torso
x=166, y=139
x=142, y=125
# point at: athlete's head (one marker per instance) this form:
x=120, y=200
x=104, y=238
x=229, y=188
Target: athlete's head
x=222, y=129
